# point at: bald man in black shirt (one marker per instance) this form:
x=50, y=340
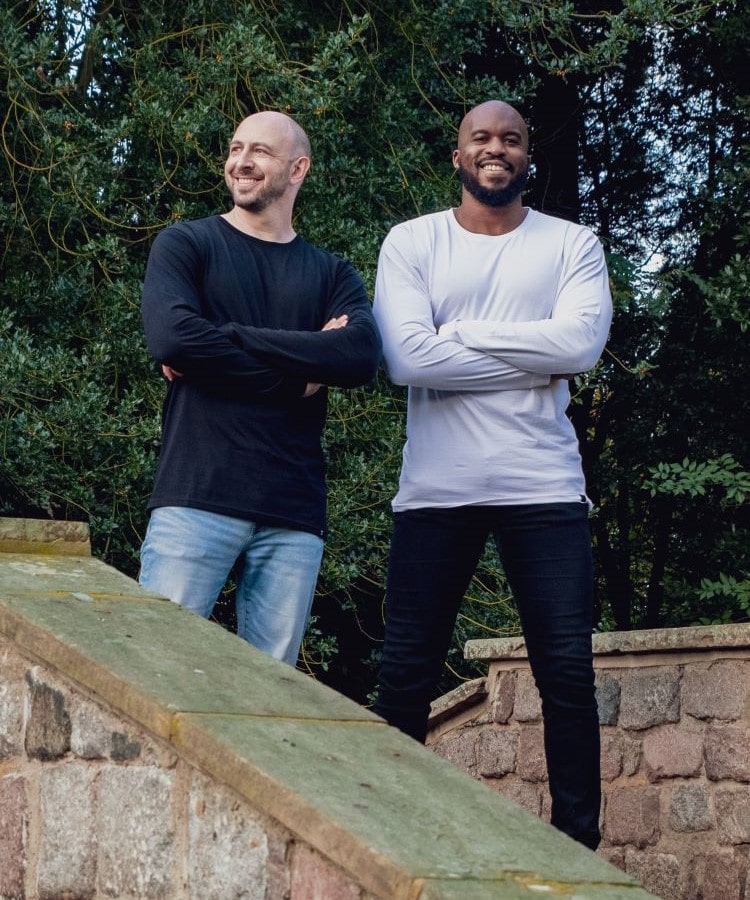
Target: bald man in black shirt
x=250, y=324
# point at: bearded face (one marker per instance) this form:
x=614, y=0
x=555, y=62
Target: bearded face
x=493, y=196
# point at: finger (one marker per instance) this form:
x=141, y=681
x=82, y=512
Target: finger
x=336, y=322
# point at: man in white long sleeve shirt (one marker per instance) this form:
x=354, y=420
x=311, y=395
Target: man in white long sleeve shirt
x=481, y=310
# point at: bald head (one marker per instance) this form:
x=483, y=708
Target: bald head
x=282, y=126
x=488, y=114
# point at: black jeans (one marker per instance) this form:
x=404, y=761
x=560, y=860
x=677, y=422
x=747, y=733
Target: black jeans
x=546, y=554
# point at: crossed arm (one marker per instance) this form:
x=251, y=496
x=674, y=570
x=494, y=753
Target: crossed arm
x=263, y=361
x=481, y=355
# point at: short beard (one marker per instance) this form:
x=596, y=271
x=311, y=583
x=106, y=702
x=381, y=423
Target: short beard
x=269, y=192
x=495, y=197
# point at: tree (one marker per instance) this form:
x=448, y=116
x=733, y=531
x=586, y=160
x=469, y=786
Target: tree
x=114, y=124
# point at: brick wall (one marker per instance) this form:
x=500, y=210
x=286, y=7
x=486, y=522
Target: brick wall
x=675, y=724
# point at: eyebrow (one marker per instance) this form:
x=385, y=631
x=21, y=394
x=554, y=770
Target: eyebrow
x=262, y=144
x=508, y=132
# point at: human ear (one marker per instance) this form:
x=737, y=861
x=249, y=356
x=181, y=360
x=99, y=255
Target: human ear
x=300, y=168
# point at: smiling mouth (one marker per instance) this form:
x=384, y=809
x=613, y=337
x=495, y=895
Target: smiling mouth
x=494, y=167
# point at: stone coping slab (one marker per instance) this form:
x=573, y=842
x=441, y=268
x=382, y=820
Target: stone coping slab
x=152, y=659
x=379, y=804
x=613, y=643
x=34, y=574
x=524, y=888
x=44, y=536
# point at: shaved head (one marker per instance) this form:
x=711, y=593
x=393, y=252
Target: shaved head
x=285, y=126
x=480, y=115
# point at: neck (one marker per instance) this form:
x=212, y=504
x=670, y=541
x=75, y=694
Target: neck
x=475, y=216
x=271, y=224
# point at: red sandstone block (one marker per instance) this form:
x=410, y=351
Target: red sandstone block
x=460, y=748
x=672, y=752
x=13, y=826
x=524, y=793
x=727, y=750
x=614, y=855
x=279, y=851
x=503, y=696
x=496, y=751
x=531, y=763
x=631, y=816
x=717, y=875
x=528, y=705
x=621, y=754
x=659, y=873
x=733, y=815
x=716, y=691
x=611, y=756
x=648, y=698
x=315, y=878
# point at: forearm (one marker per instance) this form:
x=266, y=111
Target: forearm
x=571, y=344
x=571, y=338
x=201, y=353
x=342, y=357
x=178, y=335
x=414, y=353
x=445, y=365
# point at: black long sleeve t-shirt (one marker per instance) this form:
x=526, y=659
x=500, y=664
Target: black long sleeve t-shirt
x=241, y=318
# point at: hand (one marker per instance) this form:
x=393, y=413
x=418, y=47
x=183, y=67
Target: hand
x=336, y=322
x=169, y=373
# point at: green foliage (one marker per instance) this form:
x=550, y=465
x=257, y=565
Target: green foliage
x=115, y=122
x=696, y=478
x=730, y=590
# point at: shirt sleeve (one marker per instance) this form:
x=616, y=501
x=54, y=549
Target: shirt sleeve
x=572, y=339
x=342, y=357
x=178, y=335
x=415, y=354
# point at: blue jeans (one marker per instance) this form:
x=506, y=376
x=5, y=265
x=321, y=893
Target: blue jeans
x=188, y=554
x=546, y=554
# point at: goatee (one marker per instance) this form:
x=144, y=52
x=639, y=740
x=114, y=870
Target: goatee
x=493, y=196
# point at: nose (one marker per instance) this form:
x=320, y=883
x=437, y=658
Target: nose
x=496, y=146
x=245, y=160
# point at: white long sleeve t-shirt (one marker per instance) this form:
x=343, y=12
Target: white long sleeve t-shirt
x=476, y=325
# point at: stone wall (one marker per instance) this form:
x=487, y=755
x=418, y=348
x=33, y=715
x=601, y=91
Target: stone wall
x=91, y=806
x=148, y=753
x=674, y=707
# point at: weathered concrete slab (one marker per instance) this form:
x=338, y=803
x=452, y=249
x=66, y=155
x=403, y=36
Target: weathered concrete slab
x=373, y=799
x=151, y=659
x=527, y=889
x=44, y=536
x=716, y=637
x=32, y=573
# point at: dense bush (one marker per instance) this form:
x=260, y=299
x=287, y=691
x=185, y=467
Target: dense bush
x=115, y=120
